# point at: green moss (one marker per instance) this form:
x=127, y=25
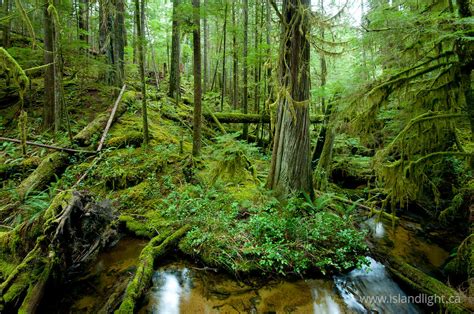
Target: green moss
x=139, y=228
x=133, y=138
x=46, y=171
x=155, y=248
x=17, y=288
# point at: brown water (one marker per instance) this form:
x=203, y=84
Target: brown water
x=402, y=240
x=182, y=287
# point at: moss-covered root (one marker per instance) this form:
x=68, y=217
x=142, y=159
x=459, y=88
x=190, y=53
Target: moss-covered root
x=84, y=137
x=7, y=170
x=141, y=280
x=423, y=283
x=35, y=292
x=43, y=174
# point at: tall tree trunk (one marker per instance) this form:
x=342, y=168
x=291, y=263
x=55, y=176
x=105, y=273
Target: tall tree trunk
x=206, y=51
x=175, y=55
x=235, y=70
x=141, y=60
x=245, y=74
x=6, y=27
x=197, y=79
x=223, y=57
x=84, y=20
x=49, y=78
x=290, y=167
x=120, y=41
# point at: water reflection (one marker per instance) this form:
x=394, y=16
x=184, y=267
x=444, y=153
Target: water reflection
x=178, y=288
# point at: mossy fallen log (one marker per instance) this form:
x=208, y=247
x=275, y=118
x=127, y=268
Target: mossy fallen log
x=7, y=170
x=445, y=297
x=52, y=165
x=133, y=138
x=86, y=135
x=228, y=117
x=142, y=277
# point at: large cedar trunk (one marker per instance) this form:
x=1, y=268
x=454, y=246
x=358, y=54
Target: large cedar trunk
x=290, y=168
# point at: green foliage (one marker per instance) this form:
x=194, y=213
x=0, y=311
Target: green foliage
x=269, y=237
x=233, y=159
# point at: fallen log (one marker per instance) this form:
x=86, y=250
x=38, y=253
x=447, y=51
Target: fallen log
x=111, y=118
x=7, y=170
x=142, y=277
x=50, y=166
x=54, y=163
x=227, y=117
x=64, y=149
x=445, y=297
x=85, y=136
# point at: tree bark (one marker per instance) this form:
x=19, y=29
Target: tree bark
x=84, y=20
x=206, y=52
x=223, y=57
x=235, y=70
x=49, y=78
x=197, y=79
x=139, y=16
x=245, y=74
x=290, y=167
x=6, y=27
x=175, y=54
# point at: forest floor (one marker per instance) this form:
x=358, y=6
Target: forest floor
x=231, y=220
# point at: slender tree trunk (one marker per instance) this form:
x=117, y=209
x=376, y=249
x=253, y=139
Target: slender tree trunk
x=206, y=51
x=268, y=75
x=141, y=60
x=6, y=27
x=197, y=79
x=84, y=20
x=245, y=74
x=49, y=78
x=235, y=70
x=223, y=57
x=175, y=55
x=290, y=167
x=120, y=41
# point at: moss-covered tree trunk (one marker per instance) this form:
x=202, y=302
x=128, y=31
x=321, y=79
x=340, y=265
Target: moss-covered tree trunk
x=175, y=54
x=290, y=168
x=83, y=20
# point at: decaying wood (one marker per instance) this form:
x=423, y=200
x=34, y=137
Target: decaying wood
x=84, y=138
x=158, y=246
x=64, y=149
x=111, y=118
x=423, y=283
x=7, y=170
x=51, y=165
x=72, y=231
x=227, y=117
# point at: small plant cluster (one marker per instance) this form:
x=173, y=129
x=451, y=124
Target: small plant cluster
x=268, y=236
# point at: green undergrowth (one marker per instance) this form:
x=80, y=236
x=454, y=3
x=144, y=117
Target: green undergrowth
x=263, y=234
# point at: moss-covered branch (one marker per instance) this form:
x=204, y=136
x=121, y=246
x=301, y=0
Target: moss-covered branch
x=43, y=174
x=445, y=297
x=142, y=277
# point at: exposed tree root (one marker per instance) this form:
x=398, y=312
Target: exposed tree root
x=142, y=277
x=72, y=231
